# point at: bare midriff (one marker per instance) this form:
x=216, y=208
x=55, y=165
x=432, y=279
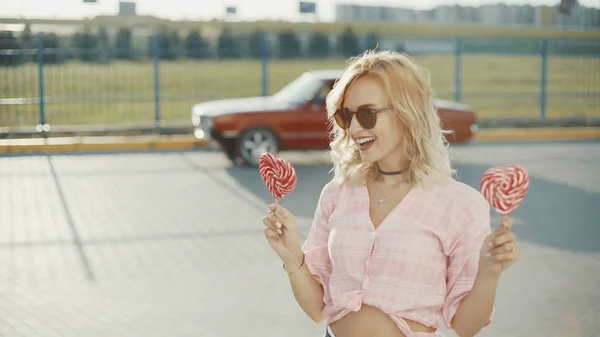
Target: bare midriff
x=372, y=322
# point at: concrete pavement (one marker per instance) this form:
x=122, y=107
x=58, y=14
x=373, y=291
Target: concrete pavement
x=171, y=244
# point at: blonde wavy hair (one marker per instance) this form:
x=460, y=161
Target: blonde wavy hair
x=411, y=97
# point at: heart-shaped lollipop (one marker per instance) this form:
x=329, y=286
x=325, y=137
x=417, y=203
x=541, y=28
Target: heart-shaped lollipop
x=278, y=174
x=505, y=188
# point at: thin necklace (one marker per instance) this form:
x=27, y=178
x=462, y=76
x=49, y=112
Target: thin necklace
x=381, y=200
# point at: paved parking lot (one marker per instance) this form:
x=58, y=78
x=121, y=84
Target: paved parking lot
x=171, y=244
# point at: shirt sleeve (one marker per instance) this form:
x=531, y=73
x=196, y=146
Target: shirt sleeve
x=315, y=247
x=463, y=261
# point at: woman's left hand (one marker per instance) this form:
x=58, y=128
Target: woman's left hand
x=499, y=250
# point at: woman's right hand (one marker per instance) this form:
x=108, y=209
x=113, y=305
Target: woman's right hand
x=282, y=234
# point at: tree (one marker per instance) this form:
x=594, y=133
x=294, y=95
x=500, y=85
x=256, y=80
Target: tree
x=226, y=46
x=86, y=44
x=371, y=41
x=175, y=45
x=566, y=6
x=318, y=45
x=289, y=45
x=195, y=45
x=168, y=42
x=255, y=43
x=8, y=41
x=103, y=38
x=348, y=43
x=27, y=42
x=124, y=50
x=103, y=44
x=50, y=41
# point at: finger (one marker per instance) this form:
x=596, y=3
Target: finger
x=505, y=225
x=504, y=238
x=278, y=224
x=512, y=256
x=284, y=216
x=275, y=241
x=279, y=211
x=271, y=235
x=505, y=248
x=272, y=224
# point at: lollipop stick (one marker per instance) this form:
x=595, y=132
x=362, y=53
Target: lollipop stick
x=505, y=219
x=276, y=202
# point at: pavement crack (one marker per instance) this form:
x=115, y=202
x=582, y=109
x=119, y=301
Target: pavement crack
x=256, y=205
x=146, y=238
x=76, y=237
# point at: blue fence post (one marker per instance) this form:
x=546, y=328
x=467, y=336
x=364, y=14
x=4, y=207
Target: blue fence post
x=156, y=56
x=264, y=54
x=40, y=58
x=544, y=79
x=458, y=51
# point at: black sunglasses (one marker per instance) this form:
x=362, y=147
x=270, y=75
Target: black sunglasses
x=365, y=116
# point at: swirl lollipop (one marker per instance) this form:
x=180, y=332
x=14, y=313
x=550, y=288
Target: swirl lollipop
x=505, y=188
x=279, y=175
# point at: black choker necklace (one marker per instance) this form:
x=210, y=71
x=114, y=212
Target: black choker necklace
x=387, y=173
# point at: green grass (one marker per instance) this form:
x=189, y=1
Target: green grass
x=123, y=92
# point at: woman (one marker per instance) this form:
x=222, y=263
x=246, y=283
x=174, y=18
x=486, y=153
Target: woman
x=396, y=242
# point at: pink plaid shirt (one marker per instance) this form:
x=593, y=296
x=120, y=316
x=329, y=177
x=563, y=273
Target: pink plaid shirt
x=418, y=264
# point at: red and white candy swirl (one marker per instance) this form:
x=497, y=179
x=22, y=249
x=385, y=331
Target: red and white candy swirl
x=505, y=188
x=279, y=175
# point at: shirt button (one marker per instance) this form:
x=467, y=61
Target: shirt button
x=372, y=235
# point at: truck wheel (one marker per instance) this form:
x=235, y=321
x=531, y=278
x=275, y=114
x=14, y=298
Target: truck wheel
x=255, y=142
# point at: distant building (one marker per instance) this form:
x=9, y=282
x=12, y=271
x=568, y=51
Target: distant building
x=545, y=16
x=489, y=15
x=127, y=8
x=446, y=14
x=492, y=15
x=358, y=13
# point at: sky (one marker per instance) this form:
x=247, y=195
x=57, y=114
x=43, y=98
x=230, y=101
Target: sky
x=208, y=9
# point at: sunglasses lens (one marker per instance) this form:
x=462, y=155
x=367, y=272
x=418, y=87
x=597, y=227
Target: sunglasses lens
x=366, y=117
x=342, y=118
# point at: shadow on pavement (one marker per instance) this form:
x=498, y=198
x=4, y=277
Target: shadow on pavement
x=552, y=214
x=303, y=200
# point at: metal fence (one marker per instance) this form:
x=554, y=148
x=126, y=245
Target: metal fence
x=514, y=78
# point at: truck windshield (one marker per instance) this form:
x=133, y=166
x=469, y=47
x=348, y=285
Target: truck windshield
x=302, y=89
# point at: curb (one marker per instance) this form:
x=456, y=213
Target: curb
x=99, y=144
x=525, y=134
x=187, y=142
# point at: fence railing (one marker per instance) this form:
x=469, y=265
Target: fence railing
x=516, y=78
